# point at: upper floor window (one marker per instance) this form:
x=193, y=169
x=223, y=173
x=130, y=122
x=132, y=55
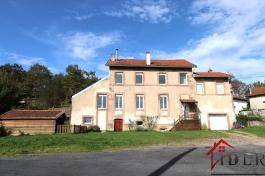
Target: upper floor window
x=87, y=120
x=162, y=78
x=118, y=78
x=183, y=79
x=139, y=102
x=118, y=101
x=199, y=88
x=163, y=101
x=220, y=88
x=102, y=101
x=139, y=78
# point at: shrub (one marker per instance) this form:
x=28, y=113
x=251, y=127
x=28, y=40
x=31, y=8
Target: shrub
x=131, y=125
x=243, y=119
x=93, y=128
x=140, y=128
x=150, y=121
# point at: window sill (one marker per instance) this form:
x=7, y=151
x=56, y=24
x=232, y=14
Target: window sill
x=118, y=109
x=102, y=109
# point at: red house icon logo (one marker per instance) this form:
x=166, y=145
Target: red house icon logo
x=219, y=150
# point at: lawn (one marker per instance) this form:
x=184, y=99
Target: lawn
x=257, y=130
x=87, y=142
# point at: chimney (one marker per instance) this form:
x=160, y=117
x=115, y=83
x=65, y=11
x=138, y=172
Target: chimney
x=148, y=58
x=113, y=57
x=116, y=55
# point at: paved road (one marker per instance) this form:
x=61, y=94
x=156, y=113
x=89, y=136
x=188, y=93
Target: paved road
x=175, y=161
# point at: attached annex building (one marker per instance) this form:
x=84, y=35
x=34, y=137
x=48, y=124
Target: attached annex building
x=165, y=88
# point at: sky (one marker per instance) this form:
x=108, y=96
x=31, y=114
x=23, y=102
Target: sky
x=224, y=35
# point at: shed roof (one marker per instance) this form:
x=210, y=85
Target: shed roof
x=31, y=114
x=257, y=91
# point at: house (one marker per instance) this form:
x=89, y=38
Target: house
x=32, y=121
x=240, y=103
x=170, y=89
x=257, y=100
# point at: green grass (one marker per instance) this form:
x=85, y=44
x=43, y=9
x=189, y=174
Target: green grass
x=258, y=130
x=87, y=142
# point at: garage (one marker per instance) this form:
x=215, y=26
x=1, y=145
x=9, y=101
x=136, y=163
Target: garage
x=218, y=122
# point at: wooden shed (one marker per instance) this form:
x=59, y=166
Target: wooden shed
x=32, y=121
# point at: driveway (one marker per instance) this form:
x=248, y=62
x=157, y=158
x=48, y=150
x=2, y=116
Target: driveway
x=168, y=160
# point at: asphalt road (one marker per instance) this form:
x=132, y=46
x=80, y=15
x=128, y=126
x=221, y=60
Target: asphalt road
x=175, y=161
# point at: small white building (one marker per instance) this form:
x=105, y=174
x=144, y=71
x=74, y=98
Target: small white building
x=240, y=103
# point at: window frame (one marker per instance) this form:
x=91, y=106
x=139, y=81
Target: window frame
x=119, y=95
x=140, y=108
x=203, y=91
x=216, y=86
x=122, y=78
x=163, y=108
x=165, y=74
x=102, y=95
x=142, y=74
x=185, y=77
x=87, y=116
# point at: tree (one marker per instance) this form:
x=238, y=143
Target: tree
x=38, y=86
x=77, y=79
x=11, y=86
x=239, y=88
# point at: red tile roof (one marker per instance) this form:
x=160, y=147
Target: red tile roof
x=211, y=75
x=257, y=91
x=181, y=63
x=31, y=114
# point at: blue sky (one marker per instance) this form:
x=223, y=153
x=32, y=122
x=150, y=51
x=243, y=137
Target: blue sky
x=223, y=35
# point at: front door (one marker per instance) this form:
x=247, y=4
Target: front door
x=186, y=110
x=118, y=125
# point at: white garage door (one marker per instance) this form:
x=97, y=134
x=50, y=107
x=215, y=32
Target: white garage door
x=218, y=122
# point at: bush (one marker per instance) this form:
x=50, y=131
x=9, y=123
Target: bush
x=243, y=119
x=93, y=128
x=140, y=128
x=150, y=122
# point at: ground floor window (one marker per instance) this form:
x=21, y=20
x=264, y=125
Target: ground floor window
x=139, y=123
x=87, y=120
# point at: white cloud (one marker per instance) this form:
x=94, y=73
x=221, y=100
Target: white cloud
x=147, y=10
x=84, y=45
x=235, y=41
x=82, y=17
x=24, y=60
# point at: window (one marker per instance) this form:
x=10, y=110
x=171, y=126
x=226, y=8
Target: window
x=163, y=101
x=139, y=78
x=183, y=79
x=118, y=101
x=102, y=101
x=220, y=88
x=140, y=102
x=87, y=120
x=199, y=88
x=162, y=78
x=119, y=78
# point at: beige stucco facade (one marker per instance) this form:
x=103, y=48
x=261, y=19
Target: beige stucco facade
x=85, y=102
x=257, y=103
